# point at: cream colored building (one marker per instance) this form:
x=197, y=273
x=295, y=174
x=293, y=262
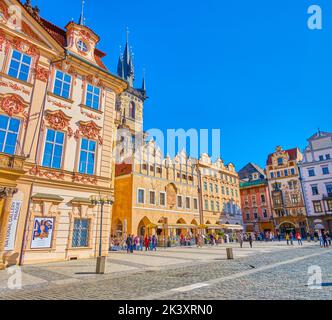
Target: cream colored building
x=58, y=128
x=221, y=203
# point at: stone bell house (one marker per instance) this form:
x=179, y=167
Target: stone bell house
x=58, y=125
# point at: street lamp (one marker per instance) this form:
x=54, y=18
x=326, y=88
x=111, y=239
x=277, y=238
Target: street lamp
x=101, y=201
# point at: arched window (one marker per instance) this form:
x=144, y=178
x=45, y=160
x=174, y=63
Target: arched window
x=132, y=110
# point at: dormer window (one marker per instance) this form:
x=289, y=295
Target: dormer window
x=82, y=46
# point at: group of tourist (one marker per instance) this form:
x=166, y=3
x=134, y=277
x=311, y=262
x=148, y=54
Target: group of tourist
x=133, y=243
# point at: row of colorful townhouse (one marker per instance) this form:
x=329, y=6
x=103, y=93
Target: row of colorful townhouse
x=294, y=191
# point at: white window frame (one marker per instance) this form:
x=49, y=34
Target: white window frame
x=62, y=83
x=138, y=190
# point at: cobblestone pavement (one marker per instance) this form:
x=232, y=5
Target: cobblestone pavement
x=269, y=271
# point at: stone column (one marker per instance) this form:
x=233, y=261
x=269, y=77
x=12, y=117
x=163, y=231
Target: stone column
x=6, y=194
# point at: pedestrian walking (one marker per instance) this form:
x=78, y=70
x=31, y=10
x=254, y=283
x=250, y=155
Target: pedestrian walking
x=287, y=238
x=299, y=238
x=146, y=243
x=150, y=244
x=325, y=241
x=240, y=239
x=154, y=243
x=141, y=243
x=250, y=240
x=129, y=243
x=291, y=238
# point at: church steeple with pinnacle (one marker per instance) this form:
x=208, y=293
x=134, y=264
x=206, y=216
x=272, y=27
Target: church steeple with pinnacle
x=126, y=64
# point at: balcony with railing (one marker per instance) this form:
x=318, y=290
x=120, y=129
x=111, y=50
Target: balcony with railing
x=11, y=162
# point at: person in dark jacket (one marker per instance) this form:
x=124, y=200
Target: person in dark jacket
x=250, y=240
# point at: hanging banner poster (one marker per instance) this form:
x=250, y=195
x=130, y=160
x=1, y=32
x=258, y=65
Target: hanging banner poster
x=12, y=225
x=42, y=233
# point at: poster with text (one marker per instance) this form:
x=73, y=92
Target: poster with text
x=42, y=233
x=12, y=225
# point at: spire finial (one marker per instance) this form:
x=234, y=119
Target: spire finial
x=127, y=34
x=143, y=82
x=81, y=22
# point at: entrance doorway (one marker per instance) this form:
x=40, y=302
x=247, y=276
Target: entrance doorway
x=287, y=228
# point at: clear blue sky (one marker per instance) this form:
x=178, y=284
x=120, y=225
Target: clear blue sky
x=251, y=68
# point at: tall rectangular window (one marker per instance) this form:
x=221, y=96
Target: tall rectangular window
x=206, y=205
x=311, y=172
x=205, y=186
x=318, y=206
x=329, y=205
x=93, y=97
x=315, y=191
x=329, y=188
x=140, y=196
x=162, y=199
x=195, y=204
x=87, y=157
x=218, y=206
x=325, y=170
x=263, y=198
x=212, y=206
x=62, y=84
x=188, y=203
x=9, y=129
x=81, y=233
x=19, y=67
x=152, y=197
x=53, y=149
x=179, y=200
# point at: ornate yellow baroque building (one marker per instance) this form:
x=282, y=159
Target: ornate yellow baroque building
x=58, y=124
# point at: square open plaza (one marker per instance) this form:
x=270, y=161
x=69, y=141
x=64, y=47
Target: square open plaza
x=73, y=187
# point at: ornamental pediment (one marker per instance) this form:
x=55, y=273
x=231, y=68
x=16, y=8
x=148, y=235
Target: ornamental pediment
x=57, y=120
x=82, y=41
x=13, y=104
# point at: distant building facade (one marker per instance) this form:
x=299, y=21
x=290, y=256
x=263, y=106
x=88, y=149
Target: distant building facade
x=220, y=194
x=255, y=199
x=154, y=192
x=287, y=200
x=316, y=172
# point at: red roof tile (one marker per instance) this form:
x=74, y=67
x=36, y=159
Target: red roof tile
x=123, y=169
